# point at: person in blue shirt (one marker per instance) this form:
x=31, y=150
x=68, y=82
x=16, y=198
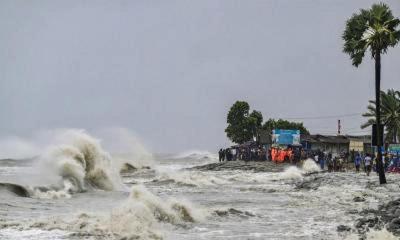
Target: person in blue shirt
x=357, y=162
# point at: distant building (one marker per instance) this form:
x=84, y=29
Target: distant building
x=336, y=143
x=360, y=143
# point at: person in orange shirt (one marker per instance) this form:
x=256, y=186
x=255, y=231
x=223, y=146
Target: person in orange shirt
x=272, y=153
x=290, y=155
x=282, y=155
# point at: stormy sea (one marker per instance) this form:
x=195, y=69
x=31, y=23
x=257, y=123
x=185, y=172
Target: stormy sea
x=77, y=189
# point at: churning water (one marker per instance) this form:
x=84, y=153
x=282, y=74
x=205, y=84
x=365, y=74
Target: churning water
x=76, y=190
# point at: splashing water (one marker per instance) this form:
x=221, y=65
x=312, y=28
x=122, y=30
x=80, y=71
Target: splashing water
x=81, y=160
x=171, y=210
x=197, y=154
x=235, y=204
x=373, y=234
x=291, y=172
x=309, y=166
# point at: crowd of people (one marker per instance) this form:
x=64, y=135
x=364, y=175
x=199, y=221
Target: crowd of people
x=326, y=160
x=391, y=162
x=257, y=153
x=333, y=162
x=366, y=162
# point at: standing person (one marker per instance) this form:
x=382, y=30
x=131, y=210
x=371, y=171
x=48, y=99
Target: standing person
x=330, y=162
x=321, y=158
x=303, y=155
x=228, y=154
x=220, y=155
x=316, y=157
x=269, y=154
x=357, y=162
x=368, y=163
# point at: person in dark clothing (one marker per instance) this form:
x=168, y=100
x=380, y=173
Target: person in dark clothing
x=321, y=158
x=357, y=162
x=330, y=162
x=228, y=154
x=220, y=154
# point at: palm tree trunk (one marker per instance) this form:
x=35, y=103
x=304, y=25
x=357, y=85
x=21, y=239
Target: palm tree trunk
x=379, y=165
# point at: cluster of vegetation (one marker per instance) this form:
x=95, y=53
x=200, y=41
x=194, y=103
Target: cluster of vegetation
x=390, y=114
x=243, y=126
x=272, y=124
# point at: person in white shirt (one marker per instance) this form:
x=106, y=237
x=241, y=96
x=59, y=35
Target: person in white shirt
x=368, y=163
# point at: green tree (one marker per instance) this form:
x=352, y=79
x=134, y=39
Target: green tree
x=255, y=121
x=272, y=124
x=242, y=126
x=390, y=114
x=374, y=29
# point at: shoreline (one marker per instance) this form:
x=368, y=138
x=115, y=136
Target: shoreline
x=386, y=216
x=256, y=166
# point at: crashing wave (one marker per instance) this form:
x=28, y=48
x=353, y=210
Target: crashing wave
x=233, y=212
x=197, y=155
x=76, y=162
x=190, y=178
x=81, y=161
x=170, y=210
x=292, y=172
x=16, y=189
x=309, y=166
x=374, y=234
x=139, y=217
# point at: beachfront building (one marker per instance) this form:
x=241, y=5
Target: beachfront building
x=360, y=143
x=336, y=144
x=326, y=143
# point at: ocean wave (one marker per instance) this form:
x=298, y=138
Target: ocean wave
x=166, y=210
x=190, y=178
x=139, y=217
x=197, y=155
x=374, y=234
x=309, y=166
x=81, y=160
x=233, y=212
x=76, y=162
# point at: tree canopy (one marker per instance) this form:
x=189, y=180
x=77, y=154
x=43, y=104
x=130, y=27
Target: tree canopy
x=390, y=114
x=284, y=124
x=374, y=29
x=242, y=125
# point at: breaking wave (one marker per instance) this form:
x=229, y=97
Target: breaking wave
x=79, y=163
x=76, y=162
x=197, y=155
x=373, y=234
x=139, y=217
x=309, y=166
x=15, y=189
x=190, y=178
x=170, y=210
x=292, y=172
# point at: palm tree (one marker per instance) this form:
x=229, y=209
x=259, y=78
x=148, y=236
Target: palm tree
x=374, y=29
x=390, y=114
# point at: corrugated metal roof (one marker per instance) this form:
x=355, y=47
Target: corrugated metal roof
x=318, y=138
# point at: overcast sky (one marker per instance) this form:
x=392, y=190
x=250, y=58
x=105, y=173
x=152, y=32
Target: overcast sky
x=170, y=70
